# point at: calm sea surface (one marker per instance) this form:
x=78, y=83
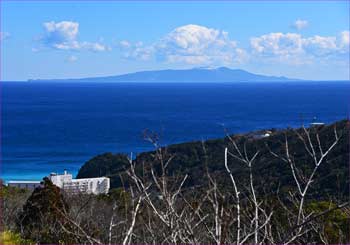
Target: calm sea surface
x=49, y=127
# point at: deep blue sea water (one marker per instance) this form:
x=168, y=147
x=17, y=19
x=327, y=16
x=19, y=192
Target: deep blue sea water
x=47, y=127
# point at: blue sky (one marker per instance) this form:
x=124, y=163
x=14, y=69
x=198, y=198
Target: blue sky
x=307, y=40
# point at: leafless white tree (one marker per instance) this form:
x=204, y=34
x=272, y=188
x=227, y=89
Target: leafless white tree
x=160, y=208
x=303, y=181
x=258, y=222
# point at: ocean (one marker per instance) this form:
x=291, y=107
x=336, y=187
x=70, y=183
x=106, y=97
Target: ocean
x=49, y=127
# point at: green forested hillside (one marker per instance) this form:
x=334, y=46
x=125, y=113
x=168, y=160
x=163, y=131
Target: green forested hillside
x=184, y=194
x=270, y=173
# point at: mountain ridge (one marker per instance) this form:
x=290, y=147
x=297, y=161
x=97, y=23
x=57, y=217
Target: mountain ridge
x=221, y=74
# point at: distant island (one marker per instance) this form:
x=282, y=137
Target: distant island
x=221, y=74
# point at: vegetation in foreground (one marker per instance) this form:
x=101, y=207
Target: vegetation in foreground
x=290, y=187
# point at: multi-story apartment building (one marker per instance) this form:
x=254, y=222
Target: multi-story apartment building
x=66, y=182
x=89, y=185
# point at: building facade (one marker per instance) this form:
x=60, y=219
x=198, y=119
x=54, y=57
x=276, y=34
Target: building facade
x=65, y=181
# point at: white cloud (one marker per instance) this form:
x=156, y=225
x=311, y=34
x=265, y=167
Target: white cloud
x=320, y=46
x=4, y=36
x=344, y=41
x=277, y=44
x=190, y=44
x=293, y=47
x=300, y=24
x=98, y=47
x=136, y=51
x=64, y=31
x=64, y=36
x=125, y=44
x=72, y=59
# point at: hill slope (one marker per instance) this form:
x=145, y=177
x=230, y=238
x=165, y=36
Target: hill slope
x=196, y=158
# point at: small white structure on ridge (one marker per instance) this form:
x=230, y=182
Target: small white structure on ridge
x=316, y=123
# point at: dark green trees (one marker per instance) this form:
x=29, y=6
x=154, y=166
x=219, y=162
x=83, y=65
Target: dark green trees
x=107, y=164
x=43, y=215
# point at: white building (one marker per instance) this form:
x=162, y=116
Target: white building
x=90, y=185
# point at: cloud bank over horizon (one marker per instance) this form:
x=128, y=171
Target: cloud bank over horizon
x=201, y=45
x=198, y=45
